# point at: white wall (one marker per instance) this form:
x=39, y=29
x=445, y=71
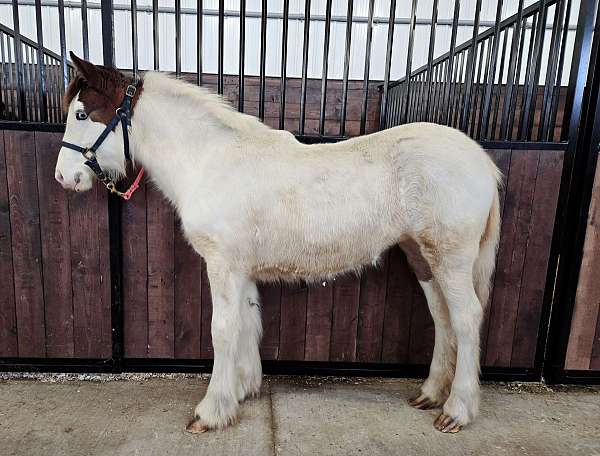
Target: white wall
x=122, y=21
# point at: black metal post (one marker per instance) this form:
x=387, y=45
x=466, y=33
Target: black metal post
x=221, y=48
x=346, y=67
x=304, y=66
x=325, y=67
x=40, y=61
x=242, y=56
x=363, y=111
x=155, y=35
x=434, y=17
x=178, y=38
x=471, y=61
x=284, y=46
x=263, y=59
x=411, y=42
x=199, y=31
x=388, y=63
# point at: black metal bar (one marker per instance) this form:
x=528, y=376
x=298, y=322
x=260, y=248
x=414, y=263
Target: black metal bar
x=284, y=46
x=434, y=16
x=471, y=60
x=511, y=71
x=346, y=67
x=156, y=35
x=304, y=66
x=40, y=57
x=3, y=84
x=528, y=112
x=367, y=69
x=177, y=38
x=451, y=57
x=221, y=48
x=476, y=86
x=513, y=99
x=325, y=67
x=491, y=69
x=108, y=33
x=84, y=29
x=388, y=65
x=63, y=46
x=581, y=160
x=409, y=56
x=199, y=32
x=242, y=56
x=563, y=51
x=20, y=90
x=263, y=59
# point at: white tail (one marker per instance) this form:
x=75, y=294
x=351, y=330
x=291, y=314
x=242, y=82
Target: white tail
x=488, y=246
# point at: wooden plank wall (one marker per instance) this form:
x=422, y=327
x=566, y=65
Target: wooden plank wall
x=380, y=317
x=583, y=352
x=54, y=265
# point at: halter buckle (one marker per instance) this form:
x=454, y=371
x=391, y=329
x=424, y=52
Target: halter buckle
x=89, y=154
x=130, y=90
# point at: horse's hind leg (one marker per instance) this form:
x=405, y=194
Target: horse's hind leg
x=249, y=365
x=435, y=390
x=455, y=278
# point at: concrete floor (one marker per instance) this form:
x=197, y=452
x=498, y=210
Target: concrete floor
x=142, y=415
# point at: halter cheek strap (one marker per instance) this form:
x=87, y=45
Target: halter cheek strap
x=123, y=116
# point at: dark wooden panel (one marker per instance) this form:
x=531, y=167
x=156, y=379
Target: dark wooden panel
x=56, y=249
x=270, y=300
x=346, y=297
x=188, y=298
x=26, y=244
x=422, y=330
x=91, y=302
x=511, y=256
x=398, y=307
x=8, y=322
x=292, y=336
x=318, y=321
x=371, y=309
x=206, y=349
x=583, y=351
x=160, y=275
x=536, y=262
x=502, y=159
x=135, y=275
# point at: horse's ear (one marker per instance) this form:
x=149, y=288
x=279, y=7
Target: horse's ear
x=88, y=70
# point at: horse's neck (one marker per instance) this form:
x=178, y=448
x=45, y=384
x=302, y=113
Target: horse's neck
x=176, y=134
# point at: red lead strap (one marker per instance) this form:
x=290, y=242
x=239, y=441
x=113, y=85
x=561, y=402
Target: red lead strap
x=131, y=190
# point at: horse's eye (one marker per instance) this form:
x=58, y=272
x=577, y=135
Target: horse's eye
x=81, y=115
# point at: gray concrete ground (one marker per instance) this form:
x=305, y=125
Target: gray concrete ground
x=142, y=415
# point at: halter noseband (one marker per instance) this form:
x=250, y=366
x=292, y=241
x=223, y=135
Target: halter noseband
x=122, y=115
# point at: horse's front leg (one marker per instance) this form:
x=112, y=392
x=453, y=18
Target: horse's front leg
x=236, y=368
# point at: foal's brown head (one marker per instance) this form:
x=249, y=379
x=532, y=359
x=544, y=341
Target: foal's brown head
x=90, y=101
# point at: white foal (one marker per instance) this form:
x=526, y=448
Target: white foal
x=259, y=206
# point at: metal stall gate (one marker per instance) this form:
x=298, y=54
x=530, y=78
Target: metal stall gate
x=93, y=284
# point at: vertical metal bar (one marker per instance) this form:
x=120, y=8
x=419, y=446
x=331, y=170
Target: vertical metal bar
x=84, y=29
x=530, y=51
x=108, y=33
x=511, y=71
x=452, y=56
x=458, y=101
x=325, y=67
x=557, y=27
x=242, y=56
x=304, y=66
x=434, y=17
x=18, y=62
x=530, y=100
x=346, y=67
x=471, y=60
x=284, y=46
x=481, y=94
x=3, y=85
x=498, y=88
x=178, y=38
x=409, y=57
x=263, y=58
x=491, y=72
x=476, y=86
x=199, y=31
x=64, y=70
x=388, y=64
x=134, y=37
x=517, y=77
x=156, y=35
x=40, y=58
x=563, y=51
x=367, y=69
x=220, y=48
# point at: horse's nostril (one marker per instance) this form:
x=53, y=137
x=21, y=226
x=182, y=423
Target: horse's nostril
x=77, y=178
x=59, y=176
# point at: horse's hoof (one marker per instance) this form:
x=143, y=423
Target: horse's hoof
x=447, y=424
x=197, y=426
x=422, y=402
